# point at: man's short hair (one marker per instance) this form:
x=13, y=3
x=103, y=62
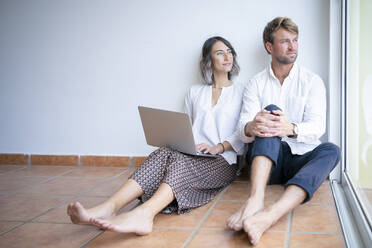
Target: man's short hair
x=273, y=26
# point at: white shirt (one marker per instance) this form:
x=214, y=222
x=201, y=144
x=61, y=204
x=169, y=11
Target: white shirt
x=302, y=97
x=213, y=125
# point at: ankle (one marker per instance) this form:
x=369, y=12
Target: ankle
x=111, y=207
x=256, y=199
x=146, y=211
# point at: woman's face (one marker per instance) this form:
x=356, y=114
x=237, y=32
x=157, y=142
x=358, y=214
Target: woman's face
x=222, y=57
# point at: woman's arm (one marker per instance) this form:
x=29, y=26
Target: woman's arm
x=216, y=149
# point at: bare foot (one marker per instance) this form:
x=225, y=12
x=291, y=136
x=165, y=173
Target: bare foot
x=249, y=208
x=138, y=221
x=79, y=215
x=257, y=224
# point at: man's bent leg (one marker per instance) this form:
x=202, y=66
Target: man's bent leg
x=257, y=224
x=264, y=154
x=309, y=171
x=260, y=171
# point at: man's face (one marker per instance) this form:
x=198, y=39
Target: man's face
x=284, y=48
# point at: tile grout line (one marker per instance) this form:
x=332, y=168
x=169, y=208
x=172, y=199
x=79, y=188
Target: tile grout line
x=47, y=179
x=92, y=239
x=70, y=199
x=289, y=229
x=130, y=162
x=191, y=237
x=318, y=233
x=74, y=197
x=12, y=229
x=29, y=160
x=45, y=212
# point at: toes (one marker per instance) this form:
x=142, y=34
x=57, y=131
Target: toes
x=78, y=205
x=69, y=209
x=237, y=227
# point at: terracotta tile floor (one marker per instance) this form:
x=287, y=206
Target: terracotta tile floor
x=33, y=204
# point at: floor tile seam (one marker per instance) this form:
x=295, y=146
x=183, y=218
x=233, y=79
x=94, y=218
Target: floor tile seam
x=50, y=209
x=99, y=184
x=94, y=177
x=50, y=222
x=210, y=210
x=34, y=185
x=318, y=233
x=74, y=197
x=103, y=167
x=92, y=239
x=37, y=176
x=39, y=215
x=12, y=229
x=174, y=228
x=2, y=173
x=289, y=228
x=63, y=173
x=86, y=177
x=26, y=176
x=227, y=229
x=10, y=221
x=54, y=195
x=69, y=200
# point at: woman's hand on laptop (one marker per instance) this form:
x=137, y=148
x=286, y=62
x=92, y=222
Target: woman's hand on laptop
x=205, y=148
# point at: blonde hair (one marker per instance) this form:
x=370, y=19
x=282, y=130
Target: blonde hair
x=273, y=26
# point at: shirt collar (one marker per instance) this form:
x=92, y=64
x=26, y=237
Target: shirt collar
x=292, y=74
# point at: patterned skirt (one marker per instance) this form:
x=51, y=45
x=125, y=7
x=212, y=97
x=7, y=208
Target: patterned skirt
x=194, y=180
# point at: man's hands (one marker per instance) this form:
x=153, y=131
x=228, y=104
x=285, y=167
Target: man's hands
x=205, y=148
x=266, y=124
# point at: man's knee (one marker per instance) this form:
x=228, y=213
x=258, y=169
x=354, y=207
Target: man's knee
x=331, y=150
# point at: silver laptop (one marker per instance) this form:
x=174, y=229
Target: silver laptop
x=165, y=128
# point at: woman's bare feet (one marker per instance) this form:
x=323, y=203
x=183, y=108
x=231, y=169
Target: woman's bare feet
x=257, y=224
x=138, y=221
x=79, y=215
x=249, y=208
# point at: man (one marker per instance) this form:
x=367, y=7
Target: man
x=283, y=116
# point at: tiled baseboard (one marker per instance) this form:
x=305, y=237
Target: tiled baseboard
x=22, y=159
x=70, y=160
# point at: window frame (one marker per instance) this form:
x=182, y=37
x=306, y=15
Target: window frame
x=354, y=222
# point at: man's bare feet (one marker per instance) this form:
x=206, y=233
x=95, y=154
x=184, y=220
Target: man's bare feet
x=257, y=224
x=138, y=221
x=79, y=215
x=249, y=208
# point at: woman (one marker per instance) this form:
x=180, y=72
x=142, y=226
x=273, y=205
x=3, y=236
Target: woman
x=176, y=181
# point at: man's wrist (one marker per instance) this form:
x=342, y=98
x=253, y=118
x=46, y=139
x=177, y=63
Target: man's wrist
x=294, y=131
x=247, y=129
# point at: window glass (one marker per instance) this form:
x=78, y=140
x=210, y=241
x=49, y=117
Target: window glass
x=359, y=101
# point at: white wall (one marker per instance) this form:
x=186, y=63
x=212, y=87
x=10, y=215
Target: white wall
x=73, y=72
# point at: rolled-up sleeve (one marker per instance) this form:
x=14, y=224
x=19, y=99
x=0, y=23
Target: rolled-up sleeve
x=236, y=142
x=251, y=106
x=314, y=119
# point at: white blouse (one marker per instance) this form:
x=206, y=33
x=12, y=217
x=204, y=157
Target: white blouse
x=213, y=125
